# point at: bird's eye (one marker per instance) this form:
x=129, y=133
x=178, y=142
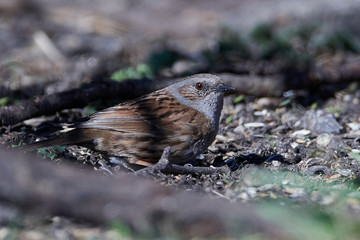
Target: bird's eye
x=199, y=86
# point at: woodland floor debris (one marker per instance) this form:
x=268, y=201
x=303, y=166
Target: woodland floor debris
x=313, y=126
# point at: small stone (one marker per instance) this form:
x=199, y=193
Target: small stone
x=266, y=187
x=4, y=232
x=231, y=154
x=301, y=133
x=32, y=234
x=294, y=145
x=294, y=192
x=314, y=161
x=221, y=138
x=320, y=122
x=327, y=200
x=315, y=196
x=239, y=129
x=354, y=126
x=254, y=125
x=266, y=102
x=243, y=196
x=347, y=98
x=251, y=191
x=340, y=186
x=263, y=195
x=344, y=172
x=353, y=204
x=219, y=183
x=213, y=149
x=335, y=176
x=276, y=163
x=272, y=195
x=355, y=150
x=300, y=140
x=261, y=113
x=285, y=181
x=323, y=139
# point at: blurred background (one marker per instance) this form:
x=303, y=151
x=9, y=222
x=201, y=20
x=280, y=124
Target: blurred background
x=311, y=46
x=48, y=46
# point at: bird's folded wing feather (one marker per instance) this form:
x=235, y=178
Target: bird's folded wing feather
x=150, y=114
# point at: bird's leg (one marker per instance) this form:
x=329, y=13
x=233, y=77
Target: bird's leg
x=157, y=167
x=164, y=166
x=122, y=162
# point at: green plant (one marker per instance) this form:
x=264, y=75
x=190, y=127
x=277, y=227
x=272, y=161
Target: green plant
x=335, y=111
x=51, y=154
x=341, y=40
x=4, y=101
x=285, y=102
x=17, y=145
x=313, y=106
x=140, y=71
x=238, y=99
x=355, y=156
x=231, y=42
x=272, y=143
x=7, y=100
x=229, y=119
x=229, y=46
x=262, y=33
x=160, y=59
x=88, y=110
x=120, y=228
x=305, y=32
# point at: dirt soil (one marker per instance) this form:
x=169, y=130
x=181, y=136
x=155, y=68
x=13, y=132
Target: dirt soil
x=300, y=148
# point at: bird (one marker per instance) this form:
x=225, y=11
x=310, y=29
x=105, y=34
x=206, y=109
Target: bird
x=185, y=116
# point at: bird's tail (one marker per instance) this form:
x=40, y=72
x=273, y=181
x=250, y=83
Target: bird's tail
x=69, y=138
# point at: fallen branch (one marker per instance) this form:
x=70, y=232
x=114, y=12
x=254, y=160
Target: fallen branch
x=272, y=85
x=256, y=85
x=80, y=97
x=177, y=169
x=349, y=71
x=275, y=85
x=42, y=187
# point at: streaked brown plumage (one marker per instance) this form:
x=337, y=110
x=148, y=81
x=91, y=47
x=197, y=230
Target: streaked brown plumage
x=184, y=116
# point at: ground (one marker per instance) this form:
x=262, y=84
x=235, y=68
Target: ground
x=294, y=154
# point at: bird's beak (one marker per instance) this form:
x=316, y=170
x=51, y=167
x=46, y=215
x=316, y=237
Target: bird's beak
x=223, y=88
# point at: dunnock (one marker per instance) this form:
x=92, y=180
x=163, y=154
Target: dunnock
x=184, y=116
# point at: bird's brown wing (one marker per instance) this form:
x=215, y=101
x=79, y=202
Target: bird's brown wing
x=142, y=128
